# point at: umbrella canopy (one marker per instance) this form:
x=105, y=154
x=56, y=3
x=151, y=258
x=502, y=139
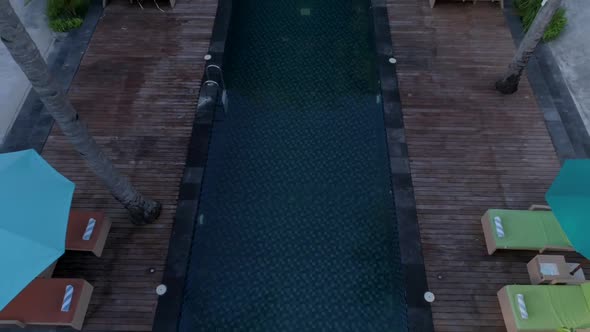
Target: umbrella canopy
x=569, y=198
x=34, y=208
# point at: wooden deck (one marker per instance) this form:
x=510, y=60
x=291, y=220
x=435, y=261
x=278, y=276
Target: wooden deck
x=470, y=149
x=137, y=90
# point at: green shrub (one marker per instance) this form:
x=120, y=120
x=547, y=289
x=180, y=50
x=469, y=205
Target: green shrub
x=66, y=15
x=528, y=9
x=65, y=24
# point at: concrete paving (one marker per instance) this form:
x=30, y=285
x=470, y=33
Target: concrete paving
x=572, y=54
x=14, y=86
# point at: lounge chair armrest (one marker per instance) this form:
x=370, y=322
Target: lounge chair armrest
x=539, y=207
x=14, y=323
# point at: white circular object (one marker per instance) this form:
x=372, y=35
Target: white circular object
x=207, y=57
x=392, y=60
x=161, y=289
x=429, y=297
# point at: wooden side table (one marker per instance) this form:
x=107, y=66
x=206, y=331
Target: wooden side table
x=553, y=269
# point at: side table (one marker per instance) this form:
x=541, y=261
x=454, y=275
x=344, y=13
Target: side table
x=553, y=269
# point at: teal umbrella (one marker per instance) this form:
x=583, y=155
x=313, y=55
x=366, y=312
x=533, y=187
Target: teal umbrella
x=34, y=208
x=569, y=198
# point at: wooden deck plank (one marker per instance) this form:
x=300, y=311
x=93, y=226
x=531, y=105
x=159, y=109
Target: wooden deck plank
x=137, y=90
x=470, y=149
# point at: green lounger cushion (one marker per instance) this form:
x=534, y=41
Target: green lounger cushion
x=528, y=229
x=586, y=291
x=550, y=307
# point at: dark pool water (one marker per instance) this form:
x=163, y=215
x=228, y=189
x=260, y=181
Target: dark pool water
x=297, y=228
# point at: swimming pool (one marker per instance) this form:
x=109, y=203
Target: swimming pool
x=296, y=228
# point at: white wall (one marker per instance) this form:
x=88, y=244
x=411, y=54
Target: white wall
x=572, y=53
x=14, y=86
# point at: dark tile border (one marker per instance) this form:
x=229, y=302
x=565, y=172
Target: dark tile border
x=570, y=137
x=419, y=313
x=33, y=124
x=169, y=306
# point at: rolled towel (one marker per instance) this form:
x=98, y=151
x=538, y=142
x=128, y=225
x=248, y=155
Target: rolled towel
x=522, y=306
x=499, y=227
x=67, y=302
x=89, y=229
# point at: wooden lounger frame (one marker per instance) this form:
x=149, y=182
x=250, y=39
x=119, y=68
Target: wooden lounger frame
x=76, y=227
x=490, y=240
x=26, y=308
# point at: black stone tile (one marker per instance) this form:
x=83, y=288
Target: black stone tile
x=399, y=165
x=409, y=237
x=404, y=198
x=189, y=191
x=197, y=155
x=391, y=119
x=416, y=285
x=186, y=210
x=167, y=315
x=398, y=149
x=420, y=320
x=193, y=175
x=169, y=306
x=396, y=135
x=401, y=182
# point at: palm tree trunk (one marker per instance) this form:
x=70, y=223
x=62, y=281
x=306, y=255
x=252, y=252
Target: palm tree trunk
x=509, y=84
x=27, y=56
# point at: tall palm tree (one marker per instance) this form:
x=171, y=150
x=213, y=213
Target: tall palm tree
x=509, y=83
x=27, y=56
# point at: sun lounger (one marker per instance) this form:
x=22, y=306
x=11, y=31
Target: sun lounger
x=543, y=308
x=49, y=302
x=87, y=231
x=523, y=230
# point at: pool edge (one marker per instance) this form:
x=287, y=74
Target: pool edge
x=419, y=313
x=169, y=306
